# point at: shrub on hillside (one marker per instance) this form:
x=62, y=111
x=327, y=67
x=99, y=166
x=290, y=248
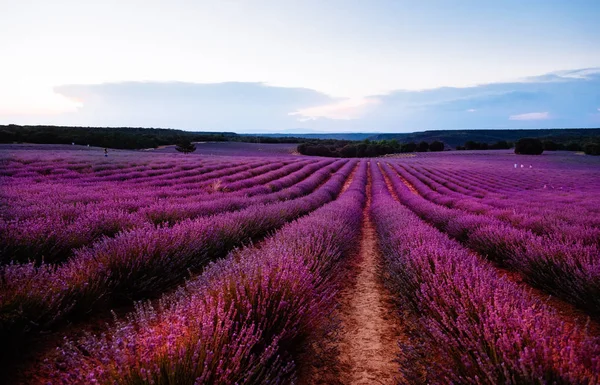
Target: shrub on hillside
x=592, y=149
x=409, y=147
x=186, y=147
x=348, y=151
x=436, y=145
x=550, y=145
x=501, y=145
x=529, y=146
x=573, y=147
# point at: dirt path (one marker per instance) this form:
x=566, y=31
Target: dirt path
x=370, y=329
x=350, y=179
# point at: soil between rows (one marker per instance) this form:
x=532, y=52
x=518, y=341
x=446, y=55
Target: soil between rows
x=366, y=341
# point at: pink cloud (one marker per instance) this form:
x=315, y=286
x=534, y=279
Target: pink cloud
x=348, y=109
x=531, y=116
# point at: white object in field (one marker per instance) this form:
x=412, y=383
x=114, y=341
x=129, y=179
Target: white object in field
x=530, y=166
x=72, y=143
x=521, y=166
x=515, y=165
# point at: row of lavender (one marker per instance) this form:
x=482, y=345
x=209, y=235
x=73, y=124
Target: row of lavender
x=144, y=262
x=56, y=233
x=470, y=325
x=24, y=197
x=568, y=181
x=245, y=192
x=572, y=207
x=565, y=264
x=70, y=198
x=240, y=322
x=61, y=203
x=569, y=222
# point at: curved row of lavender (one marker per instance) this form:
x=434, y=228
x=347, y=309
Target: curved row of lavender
x=240, y=322
x=564, y=223
x=566, y=216
x=100, y=190
x=55, y=232
x=265, y=192
x=565, y=190
x=535, y=179
x=568, y=268
x=64, y=212
x=144, y=262
x=470, y=325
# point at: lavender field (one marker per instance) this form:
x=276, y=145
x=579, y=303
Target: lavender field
x=247, y=264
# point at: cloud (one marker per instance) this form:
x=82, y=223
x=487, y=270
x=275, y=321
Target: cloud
x=230, y=106
x=560, y=99
x=567, y=102
x=530, y=116
x=566, y=75
x=35, y=101
x=348, y=109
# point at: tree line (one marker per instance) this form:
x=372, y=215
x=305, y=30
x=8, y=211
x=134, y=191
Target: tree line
x=365, y=148
x=535, y=146
x=139, y=138
x=127, y=138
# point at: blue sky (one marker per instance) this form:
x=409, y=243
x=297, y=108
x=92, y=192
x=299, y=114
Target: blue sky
x=318, y=65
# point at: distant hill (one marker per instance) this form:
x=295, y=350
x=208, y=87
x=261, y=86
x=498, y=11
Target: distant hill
x=112, y=137
x=130, y=138
x=139, y=138
x=453, y=138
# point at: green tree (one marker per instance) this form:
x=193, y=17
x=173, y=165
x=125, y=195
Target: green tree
x=186, y=147
x=423, y=146
x=550, y=145
x=592, y=148
x=436, y=145
x=529, y=146
x=409, y=147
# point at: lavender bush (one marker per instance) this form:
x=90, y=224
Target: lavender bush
x=568, y=269
x=481, y=328
x=142, y=262
x=239, y=321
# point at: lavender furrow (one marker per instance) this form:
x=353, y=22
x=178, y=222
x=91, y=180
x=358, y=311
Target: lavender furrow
x=288, y=187
x=569, y=207
x=545, y=209
x=140, y=263
x=77, y=193
x=54, y=240
x=551, y=222
x=546, y=186
x=218, y=172
x=266, y=301
x=169, y=211
x=570, y=271
x=473, y=327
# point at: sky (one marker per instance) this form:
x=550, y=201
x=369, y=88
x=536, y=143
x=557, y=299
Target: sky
x=308, y=65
